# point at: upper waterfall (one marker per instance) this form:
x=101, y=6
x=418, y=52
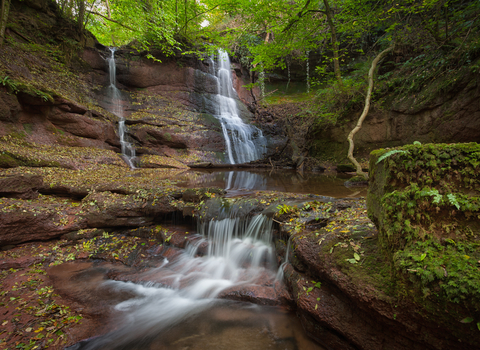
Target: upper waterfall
x=128, y=149
x=244, y=142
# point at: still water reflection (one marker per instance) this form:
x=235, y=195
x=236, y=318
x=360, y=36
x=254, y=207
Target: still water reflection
x=242, y=182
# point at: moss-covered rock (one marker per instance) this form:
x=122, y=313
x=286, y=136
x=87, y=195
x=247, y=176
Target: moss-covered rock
x=425, y=201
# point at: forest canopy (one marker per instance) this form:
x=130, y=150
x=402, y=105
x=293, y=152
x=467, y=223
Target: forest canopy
x=271, y=32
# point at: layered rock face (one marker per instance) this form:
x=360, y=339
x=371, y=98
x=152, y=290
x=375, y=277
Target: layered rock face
x=58, y=121
x=60, y=97
x=452, y=116
x=170, y=107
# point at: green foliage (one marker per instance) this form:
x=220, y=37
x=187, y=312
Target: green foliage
x=428, y=220
x=391, y=152
x=444, y=271
x=9, y=84
x=333, y=101
x=286, y=209
x=442, y=166
x=453, y=200
x=163, y=25
x=411, y=215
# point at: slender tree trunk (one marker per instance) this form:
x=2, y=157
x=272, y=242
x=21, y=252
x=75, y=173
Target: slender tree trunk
x=186, y=15
x=438, y=14
x=336, y=62
x=371, y=73
x=176, y=15
x=109, y=14
x=4, y=19
x=446, y=22
x=81, y=15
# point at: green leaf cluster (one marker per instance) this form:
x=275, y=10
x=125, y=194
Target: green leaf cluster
x=449, y=271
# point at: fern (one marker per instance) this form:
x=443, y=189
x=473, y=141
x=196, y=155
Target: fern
x=9, y=83
x=453, y=200
x=389, y=153
x=437, y=197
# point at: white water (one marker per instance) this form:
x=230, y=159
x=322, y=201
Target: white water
x=244, y=142
x=128, y=150
x=240, y=253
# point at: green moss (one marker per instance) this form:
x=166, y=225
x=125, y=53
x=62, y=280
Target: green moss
x=372, y=269
x=28, y=128
x=426, y=203
x=442, y=166
x=6, y=161
x=327, y=150
x=448, y=271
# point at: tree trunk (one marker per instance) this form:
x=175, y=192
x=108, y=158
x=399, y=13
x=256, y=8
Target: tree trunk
x=336, y=62
x=4, y=19
x=109, y=14
x=81, y=15
x=186, y=15
x=365, y=110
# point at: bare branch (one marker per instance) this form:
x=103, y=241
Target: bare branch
x=198, y=14
x=111, y=20
x=300, y=14
x=365, y=109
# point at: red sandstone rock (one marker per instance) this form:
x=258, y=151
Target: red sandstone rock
x=360, y=316
x=19, y=186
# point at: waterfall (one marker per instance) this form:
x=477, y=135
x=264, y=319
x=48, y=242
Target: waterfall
x=127, y=148
x=244, y=142
x=280, y=272
x=240, y=253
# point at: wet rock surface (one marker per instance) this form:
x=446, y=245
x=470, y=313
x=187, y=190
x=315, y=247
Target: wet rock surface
x=339, y=304
x=341, y=282
x=73, y=215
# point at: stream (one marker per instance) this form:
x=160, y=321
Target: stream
x=183, y=299
x=198, y=297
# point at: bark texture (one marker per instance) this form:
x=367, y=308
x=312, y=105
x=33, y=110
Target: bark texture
x=4, y=19
x=364, y=114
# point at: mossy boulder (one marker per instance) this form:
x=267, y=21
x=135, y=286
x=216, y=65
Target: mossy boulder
x=414, y=187
x=425, y=201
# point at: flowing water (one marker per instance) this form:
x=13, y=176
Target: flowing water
x=244, y=142
x=116, y=107
x=182, y=301
x=176, y=305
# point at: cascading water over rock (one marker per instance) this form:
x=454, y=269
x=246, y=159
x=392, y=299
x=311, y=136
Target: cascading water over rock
x=244, y=142
x=240, y=253
x=128, y=150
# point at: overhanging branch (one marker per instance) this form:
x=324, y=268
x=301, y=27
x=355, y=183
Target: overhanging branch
x=300, y=14
x=111, y=20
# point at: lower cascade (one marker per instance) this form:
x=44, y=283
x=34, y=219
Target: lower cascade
x=244, y=142
x=184, y=292
x=127, y=148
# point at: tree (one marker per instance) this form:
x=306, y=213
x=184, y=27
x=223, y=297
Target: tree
x=335, y=48
x=362, y=117
x=4, y=19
